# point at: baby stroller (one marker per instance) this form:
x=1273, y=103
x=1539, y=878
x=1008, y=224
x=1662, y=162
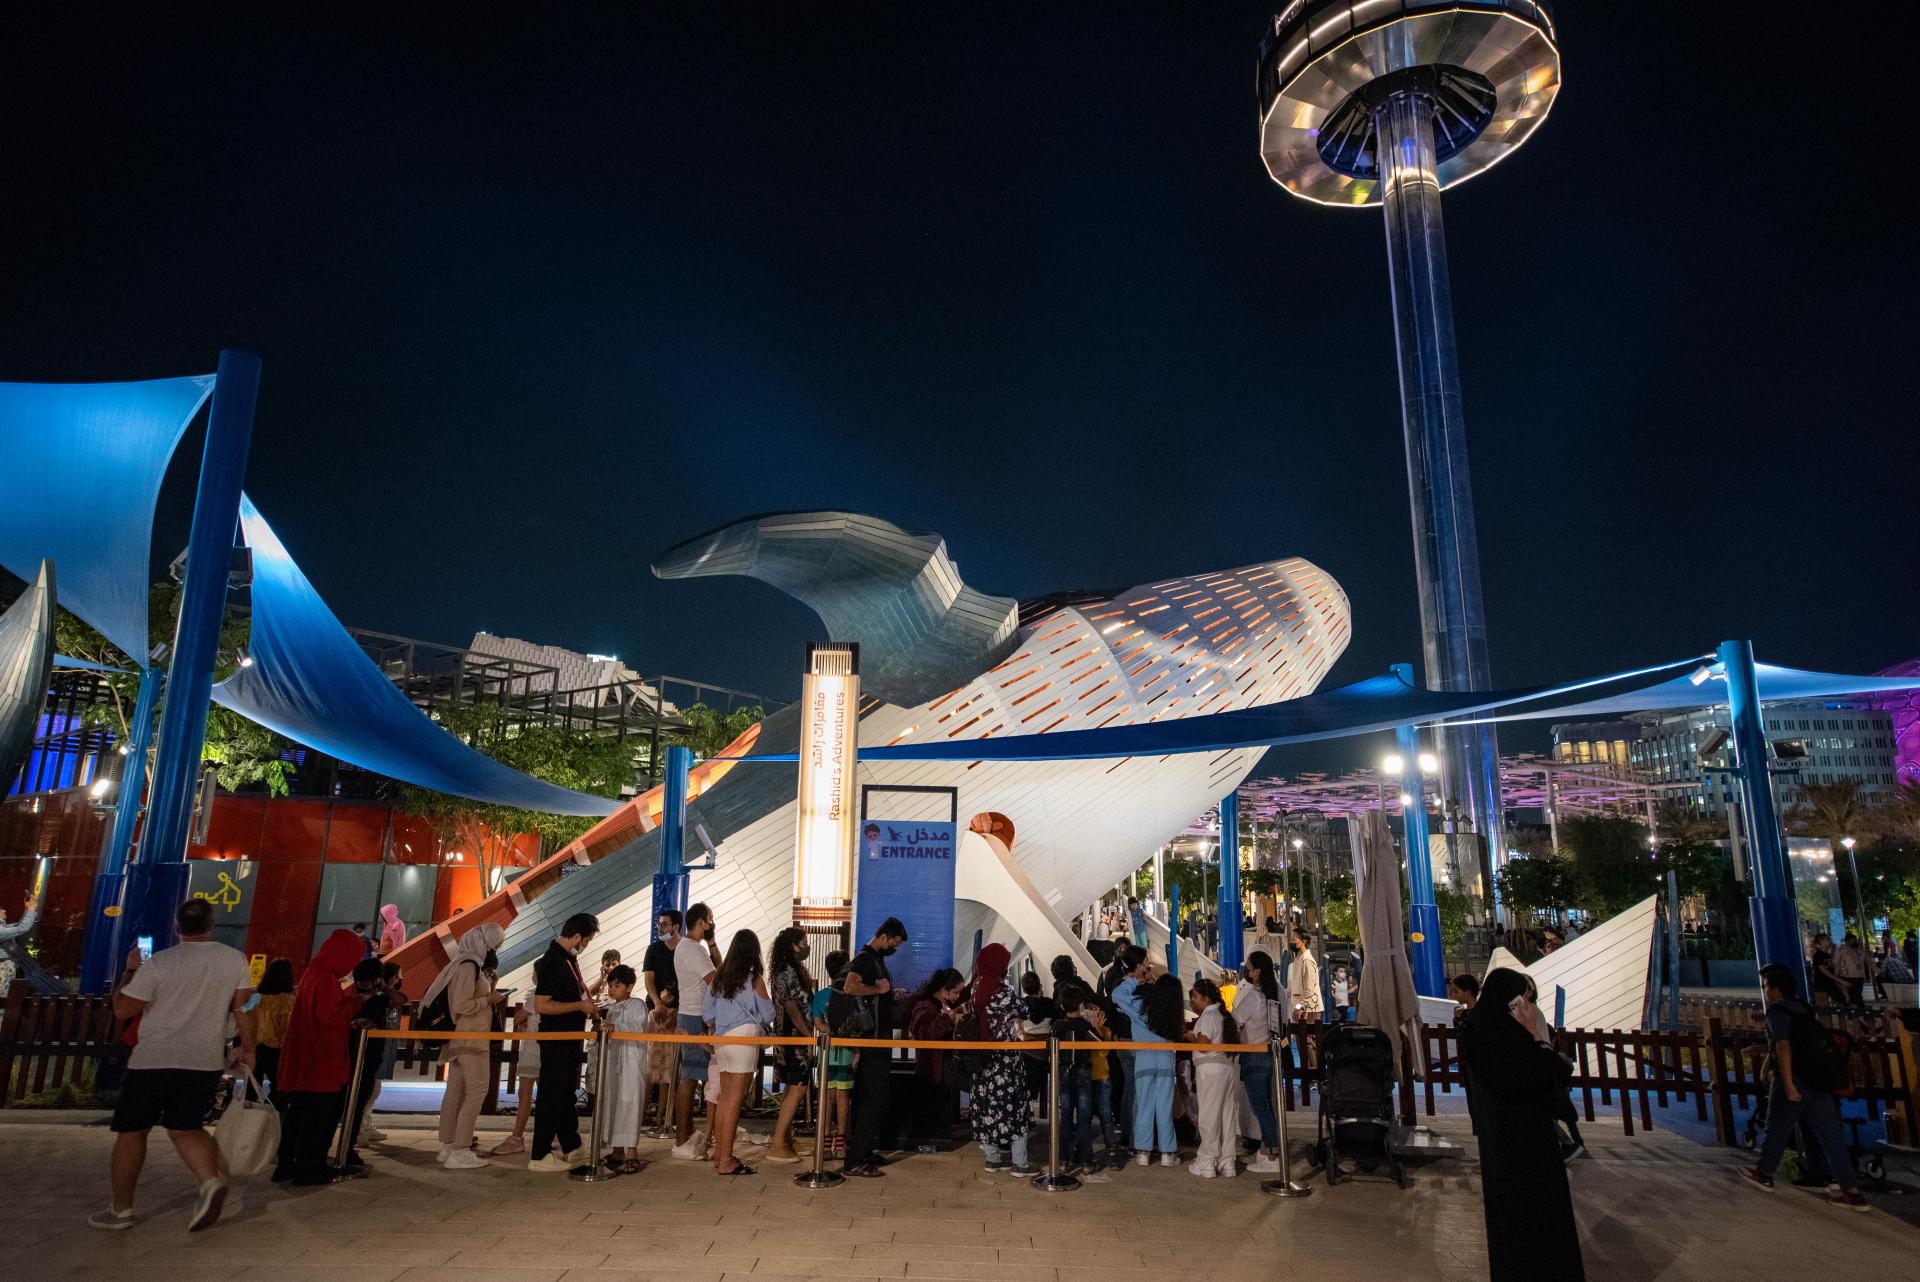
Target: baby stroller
x=1356, y=1103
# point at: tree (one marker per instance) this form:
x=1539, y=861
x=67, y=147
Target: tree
x=1539, y=884
x=1613, y=866
x=1832, y=810
x=1676, y=821
x=1896, y=813
x=709, y=730
x=572, y=759
x=1698, y=867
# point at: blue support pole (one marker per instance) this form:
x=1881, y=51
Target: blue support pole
x=105, y=940
x=157, y=882
x=1233, y=940
x=1423, y=915
x=670, y=883
x=1776, y=924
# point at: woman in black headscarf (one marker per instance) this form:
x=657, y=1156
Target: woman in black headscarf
x=1516, y=1082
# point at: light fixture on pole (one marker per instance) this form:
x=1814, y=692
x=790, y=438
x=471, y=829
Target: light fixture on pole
x=1859, y=902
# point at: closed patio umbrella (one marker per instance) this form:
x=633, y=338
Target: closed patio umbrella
x=1386, y=998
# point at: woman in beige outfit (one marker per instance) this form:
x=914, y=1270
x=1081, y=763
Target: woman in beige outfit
x=470, y=1000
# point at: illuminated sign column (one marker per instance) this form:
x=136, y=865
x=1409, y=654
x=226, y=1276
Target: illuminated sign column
x=823, y=852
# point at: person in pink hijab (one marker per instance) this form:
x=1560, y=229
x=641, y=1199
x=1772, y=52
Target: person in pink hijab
x=393, y=932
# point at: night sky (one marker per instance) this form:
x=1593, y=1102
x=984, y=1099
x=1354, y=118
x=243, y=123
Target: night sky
x=544, y=291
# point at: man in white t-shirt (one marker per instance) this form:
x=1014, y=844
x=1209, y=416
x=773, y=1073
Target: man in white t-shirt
x=185, y=997
x=695, y=959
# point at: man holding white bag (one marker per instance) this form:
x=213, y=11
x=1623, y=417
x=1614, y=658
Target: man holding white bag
x=183, y=997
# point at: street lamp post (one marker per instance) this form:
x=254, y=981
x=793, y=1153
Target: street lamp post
x=1860, y=913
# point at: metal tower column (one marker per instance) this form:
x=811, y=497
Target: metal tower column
x=100, y=964
x=1233, y=939
x=1446, y=551
x=1776, y=924
x=158, y=881
x=670, y=883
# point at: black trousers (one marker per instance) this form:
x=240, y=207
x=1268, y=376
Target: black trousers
x=307, y=1123
x=872, y=1083
x=555, y=1118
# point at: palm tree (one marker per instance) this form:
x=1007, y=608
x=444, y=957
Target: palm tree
x=1896, y=814
x=1832, y=810
x=1679, y=823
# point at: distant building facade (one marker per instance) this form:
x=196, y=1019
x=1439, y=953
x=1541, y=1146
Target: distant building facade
x=1663, y=748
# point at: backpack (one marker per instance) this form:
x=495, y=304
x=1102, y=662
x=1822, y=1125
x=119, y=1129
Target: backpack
x=850, y=1016
x=1822, y=1057
x=437, y=1015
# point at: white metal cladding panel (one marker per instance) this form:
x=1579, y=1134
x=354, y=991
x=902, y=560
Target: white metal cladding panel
x=1235, y=639
x=1604, y=972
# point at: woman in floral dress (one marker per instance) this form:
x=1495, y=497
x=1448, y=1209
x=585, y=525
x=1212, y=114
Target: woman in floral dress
x=792, y=1002
x=1001, y=1104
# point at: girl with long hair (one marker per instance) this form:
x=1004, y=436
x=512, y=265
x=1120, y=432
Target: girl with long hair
x=1257, y=1011
x=270, y=1015
x=1218, y=1107
x=793, y=1065
x=737, y=1006
x=1153, y=1009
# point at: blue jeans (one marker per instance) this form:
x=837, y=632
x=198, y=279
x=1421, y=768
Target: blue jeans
x=1821, y=1113
x=1018, y=1147
x=1076, y=1115
x=1103, y=1116
x=1256, y=1073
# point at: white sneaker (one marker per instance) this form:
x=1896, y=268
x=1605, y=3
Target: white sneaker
x=1263, y=1164
x=690, y=1151
x=1228, y=1170
x=110, y=1219
x=1169, y=1159
x=1141, y=1159
x=206, y=1212
x=1200, y=1172
x=552, y=1163
x=461, y=1159
x=441, y=1156
x=372, y=1134
x=579, y=1156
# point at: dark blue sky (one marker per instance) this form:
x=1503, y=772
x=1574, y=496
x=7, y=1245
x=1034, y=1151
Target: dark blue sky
x=541, y=293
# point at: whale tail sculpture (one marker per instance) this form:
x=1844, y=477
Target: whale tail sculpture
x=26, y=665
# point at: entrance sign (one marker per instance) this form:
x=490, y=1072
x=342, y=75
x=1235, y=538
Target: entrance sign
x=823, y=851
x=907, y=871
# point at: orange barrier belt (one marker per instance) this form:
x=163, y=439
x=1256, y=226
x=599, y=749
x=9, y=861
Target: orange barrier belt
x=855, y=1043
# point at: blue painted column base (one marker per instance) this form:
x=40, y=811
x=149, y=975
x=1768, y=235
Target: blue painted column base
x=101, y=964
x=1424, y=950
x=1776, y=934
x=669, y=891
x=154, y=891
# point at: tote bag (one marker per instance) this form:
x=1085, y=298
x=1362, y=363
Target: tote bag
x=248, y=1133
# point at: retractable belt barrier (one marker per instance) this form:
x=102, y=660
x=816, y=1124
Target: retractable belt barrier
x=1052, y=1181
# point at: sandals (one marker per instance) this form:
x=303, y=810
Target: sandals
x=740, y=1168
x=632, y=1166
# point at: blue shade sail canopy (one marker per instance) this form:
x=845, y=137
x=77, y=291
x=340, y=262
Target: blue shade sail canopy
x=310, y=681
x=1382, y=703
x=80, y=472
x=26, y=664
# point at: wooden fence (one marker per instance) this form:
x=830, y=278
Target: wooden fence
x=47, y=1042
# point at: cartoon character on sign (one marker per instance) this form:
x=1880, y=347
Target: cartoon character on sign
x=226, y=895
x=870, y=835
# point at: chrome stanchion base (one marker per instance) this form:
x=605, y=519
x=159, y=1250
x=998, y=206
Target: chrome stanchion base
x=818, y=1179
x=1286, y=1188
x=591, y=1174
x=1055, y=1183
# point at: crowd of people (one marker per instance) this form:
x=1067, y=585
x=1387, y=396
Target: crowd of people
x=1137, y=1082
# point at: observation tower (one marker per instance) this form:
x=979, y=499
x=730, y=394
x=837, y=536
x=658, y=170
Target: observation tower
x=1387, y=103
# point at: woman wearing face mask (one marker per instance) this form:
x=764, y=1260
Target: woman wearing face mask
x=930, y=1019
x=793, y=1065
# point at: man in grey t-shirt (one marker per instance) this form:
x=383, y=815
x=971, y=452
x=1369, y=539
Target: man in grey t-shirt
x=184, y=998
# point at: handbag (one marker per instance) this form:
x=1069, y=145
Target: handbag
x=248, y=1133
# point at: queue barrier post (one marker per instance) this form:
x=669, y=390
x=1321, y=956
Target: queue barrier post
x=350, y=1115
x=1053, y=1181
x=593, y=1172
x=1284, y=1186
x=819, y=1177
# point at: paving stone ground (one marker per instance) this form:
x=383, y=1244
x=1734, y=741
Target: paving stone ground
x=1651, y=1207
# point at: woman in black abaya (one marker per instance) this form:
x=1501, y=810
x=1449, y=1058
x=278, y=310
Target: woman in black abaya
x=1516, y=1081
